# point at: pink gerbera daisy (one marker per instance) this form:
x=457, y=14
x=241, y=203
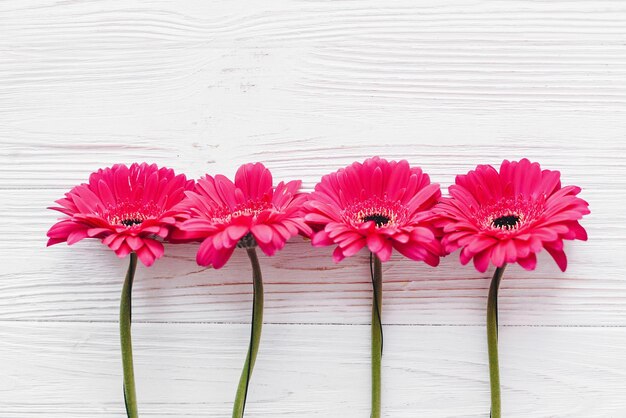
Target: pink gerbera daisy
x=382, y=205
x=379, y=204
x=129, y=208
x=248, y=213
x=224, y=214
x=510, y=215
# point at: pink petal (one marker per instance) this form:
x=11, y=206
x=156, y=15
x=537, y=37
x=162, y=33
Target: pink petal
x=481, y=260
x=236, y=232
x=480, y=243
x=145, y=255
x=528, y=263
x=134, y=243
x=262, y=233
x=204, y=256
x=375, y=243
x=385, y=252
x=269, y=248
x=92, y=232
x=498, y=254
x=559, y=257
x=338, y=255
x=155, y=247
x=76, y=236
x=221, y=257
x=321, y=239
x=123, y=250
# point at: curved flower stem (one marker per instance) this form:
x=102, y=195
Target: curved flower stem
x=130, y=397
x=255, y=335
x=377, y=332
x=492, y=342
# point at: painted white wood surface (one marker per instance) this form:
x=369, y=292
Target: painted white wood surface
x=307, y=87
x=308, y=370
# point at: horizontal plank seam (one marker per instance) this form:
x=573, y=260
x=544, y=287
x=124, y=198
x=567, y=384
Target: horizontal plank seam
x=60, y=321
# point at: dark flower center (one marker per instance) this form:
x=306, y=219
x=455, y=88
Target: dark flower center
x=131, y=222
x=378, y=219
x=506, y=222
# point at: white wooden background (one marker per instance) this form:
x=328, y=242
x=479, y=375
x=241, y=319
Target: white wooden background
x=307, y=87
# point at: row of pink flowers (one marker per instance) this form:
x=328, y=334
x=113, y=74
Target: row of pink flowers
x=494, y=216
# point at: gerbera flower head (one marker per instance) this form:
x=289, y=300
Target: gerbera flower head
x=128, y=208
x=245, y=213
x=379, y=204
x=509, y=215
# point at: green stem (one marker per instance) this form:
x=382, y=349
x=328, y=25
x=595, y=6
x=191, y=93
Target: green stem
x=255, y=336
x=377, y=333
x=492, y=342
x=130, y=397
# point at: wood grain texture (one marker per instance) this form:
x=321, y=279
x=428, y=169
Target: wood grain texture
x=55, y=370
x=308, y=86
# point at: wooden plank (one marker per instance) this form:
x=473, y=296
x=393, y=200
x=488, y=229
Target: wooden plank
x=73, y=370
x=59, y=160
x=84, y=284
